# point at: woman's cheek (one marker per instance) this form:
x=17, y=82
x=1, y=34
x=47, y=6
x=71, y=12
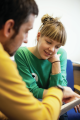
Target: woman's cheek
x=56, y=51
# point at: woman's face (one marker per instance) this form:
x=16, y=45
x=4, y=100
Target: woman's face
x=47, y=47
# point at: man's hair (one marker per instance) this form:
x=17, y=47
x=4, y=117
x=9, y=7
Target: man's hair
x=18, y=10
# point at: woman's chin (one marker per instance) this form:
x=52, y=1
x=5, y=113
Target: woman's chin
x=44, y=57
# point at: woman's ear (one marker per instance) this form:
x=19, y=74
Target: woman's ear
x=38, y=35
x=8, y=28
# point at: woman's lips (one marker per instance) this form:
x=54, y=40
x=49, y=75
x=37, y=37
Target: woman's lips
x=47, y=53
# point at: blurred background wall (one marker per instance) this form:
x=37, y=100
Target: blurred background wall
x=69, y=13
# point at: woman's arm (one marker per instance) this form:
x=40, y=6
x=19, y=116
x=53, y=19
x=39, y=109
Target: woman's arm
x=58, y=73
x=63, y=64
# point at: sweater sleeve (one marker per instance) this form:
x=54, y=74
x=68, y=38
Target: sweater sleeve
x=24, y=71
x=60, y=79
x=17, y=103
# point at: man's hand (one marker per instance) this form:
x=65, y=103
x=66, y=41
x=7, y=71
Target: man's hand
x=77, y=108
x=69, y=95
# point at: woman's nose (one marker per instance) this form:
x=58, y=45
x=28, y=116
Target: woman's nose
x=52, y=49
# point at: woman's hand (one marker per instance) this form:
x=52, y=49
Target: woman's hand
x=55, y=66
x=55, y=57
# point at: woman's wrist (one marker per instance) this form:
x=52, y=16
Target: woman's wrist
x=56, y=69
x=56, y=61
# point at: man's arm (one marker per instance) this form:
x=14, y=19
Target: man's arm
x=68, y=96
x=17, y=103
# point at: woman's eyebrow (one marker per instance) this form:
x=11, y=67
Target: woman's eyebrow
x=53, y=41
x=59, y=44
x=50, y=40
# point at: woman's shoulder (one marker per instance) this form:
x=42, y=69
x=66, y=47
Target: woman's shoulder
x=20, y=49
x=21, y=52
x=63, y=53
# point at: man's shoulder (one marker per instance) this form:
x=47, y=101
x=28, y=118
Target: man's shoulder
x=1, y=47
x=3, y=53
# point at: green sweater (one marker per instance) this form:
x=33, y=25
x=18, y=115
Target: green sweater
x=36, y=73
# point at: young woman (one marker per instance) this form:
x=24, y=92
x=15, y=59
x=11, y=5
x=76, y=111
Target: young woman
x=44, y=65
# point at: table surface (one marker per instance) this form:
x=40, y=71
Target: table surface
x=75, y=64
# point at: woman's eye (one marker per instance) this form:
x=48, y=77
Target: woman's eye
x=48, y=42
x=57, y=47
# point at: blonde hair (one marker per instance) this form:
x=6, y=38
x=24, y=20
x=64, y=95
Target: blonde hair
x=53, y=28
